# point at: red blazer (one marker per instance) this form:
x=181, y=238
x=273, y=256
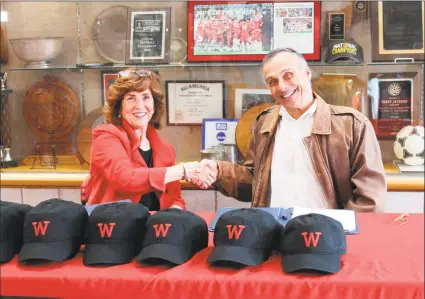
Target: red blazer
x=118, y=171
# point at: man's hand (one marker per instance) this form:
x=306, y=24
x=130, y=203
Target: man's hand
x=206, y=175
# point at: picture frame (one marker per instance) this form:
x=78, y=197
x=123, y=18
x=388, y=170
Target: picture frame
x=390, y=40
x=245, y=44
x=392, y=99
x=107, y=78
x=148, y=35
x=218, y=130
x=297, y=26
x=246, y=96
x=189, y=102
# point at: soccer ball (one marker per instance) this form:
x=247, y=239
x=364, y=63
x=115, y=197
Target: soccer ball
x=409, y=145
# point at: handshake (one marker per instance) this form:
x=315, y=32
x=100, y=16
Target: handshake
x=203, y=174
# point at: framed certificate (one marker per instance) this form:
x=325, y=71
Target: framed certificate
x=148, y=36
x=218, y=130
x=391, y=104
x=397, y=30
x=189, y=102
x=227, y=31
x=244, y=97
x=297, y=25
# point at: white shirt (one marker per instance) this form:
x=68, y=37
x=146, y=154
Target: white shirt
x=294, y=181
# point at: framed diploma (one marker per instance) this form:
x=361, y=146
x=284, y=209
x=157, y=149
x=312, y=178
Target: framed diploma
x=227, y=31
x=189, y=102
x=297, y=25
x=397, y=30
x=244, y=97
x=391, y=105
x=148, y=36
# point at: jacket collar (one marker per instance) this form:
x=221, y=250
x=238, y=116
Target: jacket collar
x=322, y=118
x=159, y=157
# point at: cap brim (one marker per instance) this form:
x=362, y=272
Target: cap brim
x=48, y=251
x=7, y=251
x=175, y=254
x=328, y=263
x=236, y=254
x=108, y=254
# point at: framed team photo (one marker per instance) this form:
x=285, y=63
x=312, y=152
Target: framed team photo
x=227, y=31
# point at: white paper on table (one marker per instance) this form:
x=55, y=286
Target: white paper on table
x=346, y=217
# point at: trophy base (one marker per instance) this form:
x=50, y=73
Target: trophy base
x=50, y=161
x=9, y=164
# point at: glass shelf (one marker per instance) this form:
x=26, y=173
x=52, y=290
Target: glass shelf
x=198, y=64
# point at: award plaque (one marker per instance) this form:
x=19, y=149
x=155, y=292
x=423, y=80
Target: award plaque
x=189, y=102
x=148, y=36
x=392, y=105
x=398, y=32
x=336, y=26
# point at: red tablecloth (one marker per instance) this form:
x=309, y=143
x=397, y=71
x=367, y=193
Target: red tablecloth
x=385, y=260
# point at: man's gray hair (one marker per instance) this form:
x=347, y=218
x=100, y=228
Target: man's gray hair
x=302, y=63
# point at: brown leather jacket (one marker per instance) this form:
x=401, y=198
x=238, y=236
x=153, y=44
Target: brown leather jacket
x=343, y=148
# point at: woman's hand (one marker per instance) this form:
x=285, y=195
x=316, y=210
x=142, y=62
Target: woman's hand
x=176, y=207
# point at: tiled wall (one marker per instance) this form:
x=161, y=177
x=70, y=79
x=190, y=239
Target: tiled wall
x=203, y=200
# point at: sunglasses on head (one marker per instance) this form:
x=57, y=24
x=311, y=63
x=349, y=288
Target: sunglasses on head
x=140, y=73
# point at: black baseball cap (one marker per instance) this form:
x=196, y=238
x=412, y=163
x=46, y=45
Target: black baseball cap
x=12, y=217
x=173, y=236
x=344, y=51
x=312, y=242
x=114, y=234
x=245, y=236
x=53, y=231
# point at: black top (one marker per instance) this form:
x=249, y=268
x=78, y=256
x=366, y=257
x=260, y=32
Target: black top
x=149, y=200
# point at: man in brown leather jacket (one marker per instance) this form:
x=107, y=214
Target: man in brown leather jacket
x=342, y=150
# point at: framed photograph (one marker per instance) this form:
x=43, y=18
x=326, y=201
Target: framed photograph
x=391, y=103
x=227, y=31
x=148, y=36
x=108, y=78
x=218, y=130
x=189, y=102
x=245, y=97
x=297, y=25
x=398, y=30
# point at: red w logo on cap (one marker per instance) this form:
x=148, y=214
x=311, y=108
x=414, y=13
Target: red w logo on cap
x=40, y=227
x=105, y=229
x=161, y=229
x=234, y=231
x=311, y=238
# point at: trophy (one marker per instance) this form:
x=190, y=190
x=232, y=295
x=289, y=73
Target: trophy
x=3, y=81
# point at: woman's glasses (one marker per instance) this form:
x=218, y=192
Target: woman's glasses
x=140, y=73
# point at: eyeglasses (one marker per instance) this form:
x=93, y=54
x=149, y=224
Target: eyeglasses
x=140, y=73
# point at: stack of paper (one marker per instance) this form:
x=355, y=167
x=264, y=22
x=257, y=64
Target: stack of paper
x=346, y=217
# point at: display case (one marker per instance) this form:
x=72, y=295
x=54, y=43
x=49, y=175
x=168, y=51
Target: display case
x=62, y=56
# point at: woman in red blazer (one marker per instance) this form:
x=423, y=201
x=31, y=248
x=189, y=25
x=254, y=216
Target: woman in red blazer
x=129, y=160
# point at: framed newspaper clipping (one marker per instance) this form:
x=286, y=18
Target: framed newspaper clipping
x=148, y=36
x=297, y=25
x=189, y=102
x=227, y=31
